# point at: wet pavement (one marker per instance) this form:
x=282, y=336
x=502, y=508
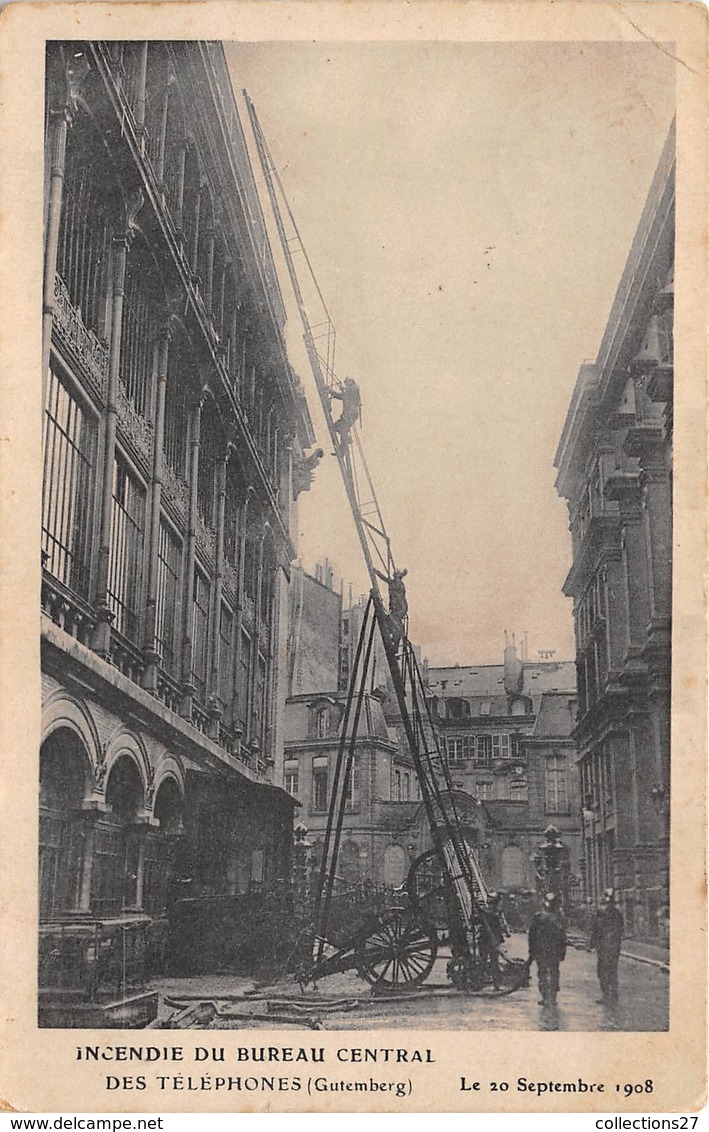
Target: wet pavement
x=345, y=1002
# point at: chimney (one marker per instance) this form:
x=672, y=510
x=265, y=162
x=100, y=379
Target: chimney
x=513, y=669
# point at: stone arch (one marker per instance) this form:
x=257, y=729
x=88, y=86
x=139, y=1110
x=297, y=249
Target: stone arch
x=169, y=767
x=130, y=743
x=61, y=709
x=125, y=788
x=169, y=800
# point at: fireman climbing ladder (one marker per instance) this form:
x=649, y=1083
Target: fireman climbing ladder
x=395, y=951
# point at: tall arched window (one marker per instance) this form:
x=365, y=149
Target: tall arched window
x=88, y=219
x=160, y=846
x=143, y=313
x=117, y=851
x=322, y=722
x=63, y=767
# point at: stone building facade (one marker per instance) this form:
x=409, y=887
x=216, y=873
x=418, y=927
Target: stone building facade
x=506, y=731
x=614, y=464
x=384, y=795
x=174, y=434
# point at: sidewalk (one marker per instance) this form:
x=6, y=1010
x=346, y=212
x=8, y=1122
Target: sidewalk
x=653, y=953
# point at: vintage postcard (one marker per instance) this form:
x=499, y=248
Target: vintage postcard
x=353, y=648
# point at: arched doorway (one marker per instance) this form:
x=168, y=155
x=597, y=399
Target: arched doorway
x=63, y=769
x=160, y=846
x=116, y=880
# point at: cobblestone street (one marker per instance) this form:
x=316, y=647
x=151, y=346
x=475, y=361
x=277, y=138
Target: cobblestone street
x=344, y=1002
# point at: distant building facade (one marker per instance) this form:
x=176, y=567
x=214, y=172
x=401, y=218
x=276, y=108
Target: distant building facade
x=614, y=465
x=506, y=733
x=174, y=429
x=505, y=730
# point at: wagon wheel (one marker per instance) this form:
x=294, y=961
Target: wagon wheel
x=400, y=950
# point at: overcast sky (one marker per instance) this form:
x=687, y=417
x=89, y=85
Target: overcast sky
x=468, y=209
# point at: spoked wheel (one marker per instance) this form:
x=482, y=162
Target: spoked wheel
x=400, y=951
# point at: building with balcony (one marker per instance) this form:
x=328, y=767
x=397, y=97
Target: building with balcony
x=175, y=434
x=505, y=730
x=614, y=464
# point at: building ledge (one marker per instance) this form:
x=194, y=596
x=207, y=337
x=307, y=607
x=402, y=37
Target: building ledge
x=601, y=536
x=643, y=439
x=79, y=663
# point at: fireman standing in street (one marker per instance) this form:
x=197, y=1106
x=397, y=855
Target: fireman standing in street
x=547, y=946
x=493, y=934
x=606, y=934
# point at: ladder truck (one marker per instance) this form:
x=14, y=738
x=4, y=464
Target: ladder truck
x=398, y=951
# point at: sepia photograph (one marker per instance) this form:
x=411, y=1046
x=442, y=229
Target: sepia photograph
x=356, y=703
x=283, y=776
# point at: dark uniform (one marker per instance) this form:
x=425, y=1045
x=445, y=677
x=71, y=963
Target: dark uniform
x=606, y=934
x=492, y=936
x=547, y=946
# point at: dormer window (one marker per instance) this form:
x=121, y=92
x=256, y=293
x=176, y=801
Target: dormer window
x=322, y=722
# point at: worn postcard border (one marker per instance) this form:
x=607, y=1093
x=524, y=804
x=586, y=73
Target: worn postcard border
x=39, y=1068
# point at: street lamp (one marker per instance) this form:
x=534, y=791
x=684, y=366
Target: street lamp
x=551, y=865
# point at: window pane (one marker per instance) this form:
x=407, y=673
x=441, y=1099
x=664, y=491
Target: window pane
x=226, y=664
x=69, y=454
x=125, y=569
x=484, y=748
x=320, y=789
x=83, y=253
x=200, y=624
x=169, y=561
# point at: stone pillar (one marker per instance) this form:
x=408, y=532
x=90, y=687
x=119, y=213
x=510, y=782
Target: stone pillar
x=151, y=655
x=242, y=709
x=179, y=201
x=87, y=865
x=209, y=281
x=657, y=509
x=632, y=611
x=91, y=812
x=234, y=354
x=194, y=250
x=60, y=120
x=59, y=125
x=616, y=611
x=140, y=83
x=188, y=688
x=214, y=660
x=102, y=632
x=279, y=673
x=162, y=138
x=219, y=301
x=256, y=642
